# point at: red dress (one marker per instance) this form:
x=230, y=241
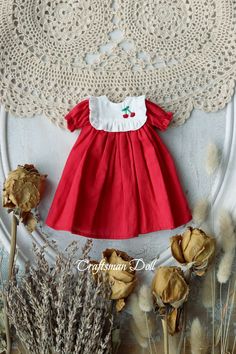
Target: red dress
x=119, y=180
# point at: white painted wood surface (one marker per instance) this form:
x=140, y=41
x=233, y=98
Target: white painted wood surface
x=36, y=140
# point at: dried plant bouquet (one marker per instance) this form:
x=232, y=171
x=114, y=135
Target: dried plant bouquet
x=57, y=309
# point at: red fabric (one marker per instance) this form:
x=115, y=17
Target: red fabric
x=118, y=185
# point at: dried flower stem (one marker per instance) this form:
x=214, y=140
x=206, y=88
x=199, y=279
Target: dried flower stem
x=185, y=341
x=149, y=333
x=182, y=336
x=219, y=336
x=222, y=314
x=228, y=316
x=13, y=245
x=224, y=321
x=234, y=345
x=166, y=335
x=213, y=297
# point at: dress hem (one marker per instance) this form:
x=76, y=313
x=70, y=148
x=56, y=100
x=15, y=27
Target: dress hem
x=115, y=237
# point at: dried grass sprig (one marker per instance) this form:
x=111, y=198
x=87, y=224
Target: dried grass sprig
x=142, y=341
x=56, y=308
x=145, y=299
x=212, y=158
x=226, y=311
x=209, y=298
x=200, y=211
x=225, y=267
x=228, y=244
x=226, y=231
x=197, y=338
x=142, y=324
x=139, y=317
x=207, y=290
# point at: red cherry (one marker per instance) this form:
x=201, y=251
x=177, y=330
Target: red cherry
x=125, y=115
x=132, y=114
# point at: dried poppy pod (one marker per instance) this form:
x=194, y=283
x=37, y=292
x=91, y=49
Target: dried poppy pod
x=194, y=248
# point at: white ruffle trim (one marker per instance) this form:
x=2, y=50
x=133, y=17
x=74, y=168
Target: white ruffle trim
x=108, y=116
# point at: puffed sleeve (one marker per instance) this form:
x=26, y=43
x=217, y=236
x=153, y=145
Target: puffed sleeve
x=78, y=117
x=157, y=117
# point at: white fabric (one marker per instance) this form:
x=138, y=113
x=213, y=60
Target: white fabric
x=109, y=116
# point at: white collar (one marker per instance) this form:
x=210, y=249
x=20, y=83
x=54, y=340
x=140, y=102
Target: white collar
x=117, y=117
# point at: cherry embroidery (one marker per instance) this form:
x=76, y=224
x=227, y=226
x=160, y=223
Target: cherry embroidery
x=127, y=113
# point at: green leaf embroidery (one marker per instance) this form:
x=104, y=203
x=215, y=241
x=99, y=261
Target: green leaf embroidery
x=126, y=109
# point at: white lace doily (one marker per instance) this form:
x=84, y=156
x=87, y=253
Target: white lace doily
x=54, y=53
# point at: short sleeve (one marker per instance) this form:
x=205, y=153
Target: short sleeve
x=157, y=117
x=78, y=117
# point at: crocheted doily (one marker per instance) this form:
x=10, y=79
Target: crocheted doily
x=54, y=53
